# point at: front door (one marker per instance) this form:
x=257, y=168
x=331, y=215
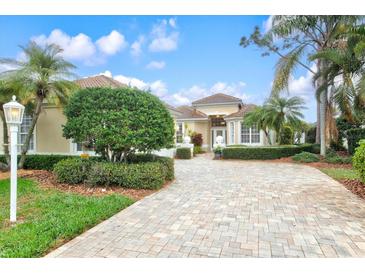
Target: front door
x=218, y=132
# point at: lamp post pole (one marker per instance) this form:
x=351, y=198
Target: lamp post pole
x=13, y=171
x=14, y=116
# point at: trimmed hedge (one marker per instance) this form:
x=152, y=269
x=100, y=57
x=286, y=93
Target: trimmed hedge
x=150, y=175
x=183, y=153
x=72, y=170
x=306, y=157
x=44, y=162
x=353, y=137
x=264, y=153
x=144, y=171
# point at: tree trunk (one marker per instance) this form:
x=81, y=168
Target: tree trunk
x=5, y=140
x=35, y=117
x=318, y=126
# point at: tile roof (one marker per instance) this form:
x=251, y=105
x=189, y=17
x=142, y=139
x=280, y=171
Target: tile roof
x=98, y=82
x=239, y=114
x=217, y=98
x=190, y=113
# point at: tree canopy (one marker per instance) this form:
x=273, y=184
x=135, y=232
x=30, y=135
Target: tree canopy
x=118, y=122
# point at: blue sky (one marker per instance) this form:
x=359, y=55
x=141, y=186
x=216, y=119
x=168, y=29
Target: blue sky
x=179, y=58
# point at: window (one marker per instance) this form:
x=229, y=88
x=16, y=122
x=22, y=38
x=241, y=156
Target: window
x=231, y=133
x=23, y=132
x=255, y=135
x=250, y=135
x=218, y=121
x=180, y=132
x=245, y=134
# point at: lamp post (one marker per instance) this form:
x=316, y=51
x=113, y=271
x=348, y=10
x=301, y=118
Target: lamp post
x=13, y=115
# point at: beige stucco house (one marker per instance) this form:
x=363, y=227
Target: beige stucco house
x=48, y=137
x=219, y=115
x=213, y=116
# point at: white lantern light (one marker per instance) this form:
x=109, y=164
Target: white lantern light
x=13, y=112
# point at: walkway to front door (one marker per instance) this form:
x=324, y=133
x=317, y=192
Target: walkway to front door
x=233, y=209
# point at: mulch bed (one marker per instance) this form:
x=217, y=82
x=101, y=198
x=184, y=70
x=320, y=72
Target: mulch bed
x=355, y=186
x=47, y=180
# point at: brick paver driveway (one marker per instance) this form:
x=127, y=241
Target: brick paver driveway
x=233, y=209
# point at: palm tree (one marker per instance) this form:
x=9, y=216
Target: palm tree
x=277, y=113
x=345, y=72
x=300, y=36
x=258, y=117
x=44, y=74
x=281, y=112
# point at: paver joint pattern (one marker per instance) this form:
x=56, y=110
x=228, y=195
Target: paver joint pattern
x=233, y=209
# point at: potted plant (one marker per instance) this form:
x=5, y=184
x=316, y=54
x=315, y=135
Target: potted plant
x=218, y=151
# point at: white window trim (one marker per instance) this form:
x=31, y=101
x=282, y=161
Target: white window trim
x=20, y=146
x=183, y=130
x=232, y=132
x=74, y=151
x=250, y=143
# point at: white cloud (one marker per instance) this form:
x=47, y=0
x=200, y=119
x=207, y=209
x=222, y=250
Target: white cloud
x=267, y=24
x=79, y=47
x=186, y=96
x=303, y=85
x=156, y=65
x=112, y=43
x=6, y=67
x=172, y=22
x=163, y=38
x=136, y=47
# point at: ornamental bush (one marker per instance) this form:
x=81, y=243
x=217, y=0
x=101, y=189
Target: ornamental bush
x=183, y=153
x=148, y=175
x=118, y=122
x=358, y=160
x=72, y=170
x=143, y=171
x=264, y=153
x=353, y=137
x=197, y=139
x=306, y=157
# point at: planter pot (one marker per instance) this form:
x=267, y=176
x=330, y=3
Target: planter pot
x=217, y=155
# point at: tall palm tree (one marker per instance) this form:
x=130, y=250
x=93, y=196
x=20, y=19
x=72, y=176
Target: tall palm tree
x=298, y=37
x=282, y=111
x=45, y=75
x=345, y=72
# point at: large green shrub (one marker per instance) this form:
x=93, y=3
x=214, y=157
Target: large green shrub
x=358, y=160
x=166, y=162
x=72, y=170
x=306, y=157
x=142, y=171
x=148, y=175
x=183, y=153
x=264, y=153
x=120, y=121
x=353, y=136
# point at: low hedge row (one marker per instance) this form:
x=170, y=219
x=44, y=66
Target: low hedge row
x=265, y=153
x=142, y=172
x=183, y=153
x=44, y=162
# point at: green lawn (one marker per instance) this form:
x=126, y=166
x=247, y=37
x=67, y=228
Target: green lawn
x=340, y=173
x=49, y=217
